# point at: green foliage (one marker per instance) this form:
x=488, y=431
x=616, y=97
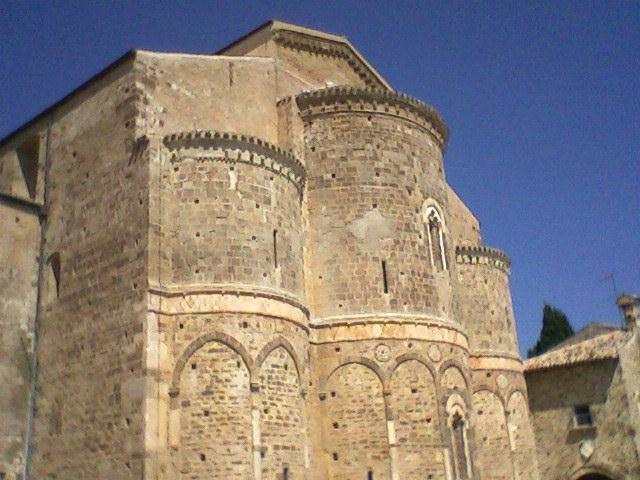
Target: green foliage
x=555, y=329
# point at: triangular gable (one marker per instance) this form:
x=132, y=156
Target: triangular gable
x=300, y=49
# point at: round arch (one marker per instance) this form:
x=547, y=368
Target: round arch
x=594, y=472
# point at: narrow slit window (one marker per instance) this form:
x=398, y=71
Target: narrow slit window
x=285, y=473
x=370, y=475
x=275, y=248
x=385, y=283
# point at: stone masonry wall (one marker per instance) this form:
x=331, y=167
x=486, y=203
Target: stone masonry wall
x=503, y=426
x=355, y=425
x=230, y=272
x=253, y=387
x=522, y=438
x=89, y=419
x=371, y=169
x=483, y=301
x=283, y=420
x=227, y=94
x=417, y=427
x=493, y=452
x=215, y=415
x=223, y=309
x=303, y=64
x=381, y=407
x=374, y=164
x=230, y=216
x=463, y=225
x=19, y=253
x=502, y=421
x=21, y=198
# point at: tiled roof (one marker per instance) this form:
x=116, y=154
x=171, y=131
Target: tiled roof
x=592, y=330
x=601, y=347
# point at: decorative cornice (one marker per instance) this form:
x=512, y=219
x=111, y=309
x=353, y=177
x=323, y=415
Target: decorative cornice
x=472, y=255
x=351, y=99
x=257, y=151
x=181, y=291
x=299, y=41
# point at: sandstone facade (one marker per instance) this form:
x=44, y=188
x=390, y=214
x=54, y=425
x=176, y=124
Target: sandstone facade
x=250, y=265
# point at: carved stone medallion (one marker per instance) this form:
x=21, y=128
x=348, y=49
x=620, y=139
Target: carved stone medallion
x=382, y=353
x=434, y=353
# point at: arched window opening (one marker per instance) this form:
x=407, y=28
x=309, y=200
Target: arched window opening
x=435, y=236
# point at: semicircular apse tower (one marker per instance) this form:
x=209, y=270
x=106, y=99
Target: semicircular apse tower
x=380, y=264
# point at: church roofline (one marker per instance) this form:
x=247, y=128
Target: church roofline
x=123, y=59
x=265, y=29
x=310, y=39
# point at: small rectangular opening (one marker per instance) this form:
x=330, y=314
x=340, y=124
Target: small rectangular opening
x=384, y=277
x=582, y=416
x=285, y=473
x=370, y=475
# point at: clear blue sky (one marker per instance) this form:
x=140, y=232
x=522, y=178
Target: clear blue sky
x=542, y=99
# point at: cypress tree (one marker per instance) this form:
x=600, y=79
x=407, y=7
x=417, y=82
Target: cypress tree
x=555, y=329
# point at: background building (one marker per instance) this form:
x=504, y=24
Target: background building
x=584, y=397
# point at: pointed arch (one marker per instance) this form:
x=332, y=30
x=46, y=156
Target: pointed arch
x=595, y=472
x=453, y=364
x=521, y=436
x=220, y=337
x=283, y=436
x=355, y=422
x=458, y=427
x=416, y=417
x=277, y=343
x=493, y=450
x=210, y=428
x=405, y=357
